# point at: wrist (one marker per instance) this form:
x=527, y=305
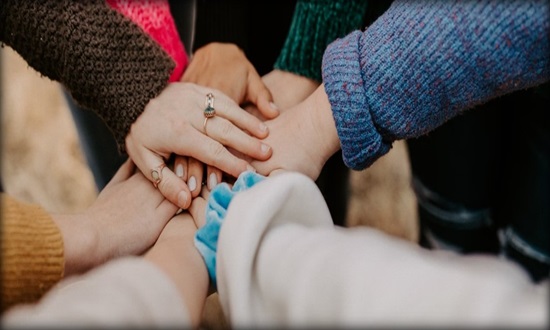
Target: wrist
x=81, y=250
x=321, y=115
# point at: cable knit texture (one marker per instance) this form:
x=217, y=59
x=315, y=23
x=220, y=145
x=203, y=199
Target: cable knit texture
x=155, y=18
x=107, y=62
x=32, y=252
x=423, y=62
x=314, y=25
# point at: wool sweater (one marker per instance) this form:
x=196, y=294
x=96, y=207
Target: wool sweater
x=316, y=23
x=32, y=252
x=106, y=61
x=423, y=62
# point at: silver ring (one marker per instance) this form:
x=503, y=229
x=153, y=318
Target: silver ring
x=209, y=111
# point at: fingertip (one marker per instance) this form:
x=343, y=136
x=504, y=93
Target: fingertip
x=268, y=108
x=184, y=199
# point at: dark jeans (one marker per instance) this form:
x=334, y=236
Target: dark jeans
x=483, y=181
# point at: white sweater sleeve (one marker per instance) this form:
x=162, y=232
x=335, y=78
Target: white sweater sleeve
x=125, y=293
x=281, y=262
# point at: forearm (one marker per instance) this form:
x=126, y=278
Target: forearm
x=306, y=272
x=180, y=261
x=107, y=63
x=314, y=25
x=421, y=63
x=81, y=250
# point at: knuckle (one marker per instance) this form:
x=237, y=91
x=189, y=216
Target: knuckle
x=218, y=151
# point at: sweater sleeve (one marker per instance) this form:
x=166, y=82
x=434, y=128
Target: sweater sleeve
x=423, y=62
x=108, y=64
x=32, y=252
x=314, y=25
x=284, y=265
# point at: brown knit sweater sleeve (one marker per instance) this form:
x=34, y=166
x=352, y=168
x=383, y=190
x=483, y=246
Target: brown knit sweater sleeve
x=32, y=252
x=108, y=64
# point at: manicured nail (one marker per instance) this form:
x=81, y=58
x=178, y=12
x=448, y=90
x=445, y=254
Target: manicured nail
x=182, y=199
x=273, y=106
x=263, y=127
x=265, y=148
x=212, y=181
x=179, y=170
x=192, y=183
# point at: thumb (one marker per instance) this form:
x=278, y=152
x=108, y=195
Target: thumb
x=123, y=173
x=259, y=94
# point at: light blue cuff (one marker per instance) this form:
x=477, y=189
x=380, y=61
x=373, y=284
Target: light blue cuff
x=206, y=238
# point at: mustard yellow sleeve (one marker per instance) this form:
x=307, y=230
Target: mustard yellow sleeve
x=32, y=252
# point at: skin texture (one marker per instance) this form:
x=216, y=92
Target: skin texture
x=175, y=254
x=303, y=137
x=173, y=123
x=222, y=66
x=106, y=230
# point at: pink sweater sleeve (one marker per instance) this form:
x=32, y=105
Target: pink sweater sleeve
x=155, y=18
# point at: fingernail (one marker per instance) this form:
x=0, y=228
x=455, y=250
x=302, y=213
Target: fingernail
x=212, y=181
x=250, y=168
x=263, y=127
x=192, y=183
x=182, y=199
x=265, y=148
x=179, y=170
x=273, y=106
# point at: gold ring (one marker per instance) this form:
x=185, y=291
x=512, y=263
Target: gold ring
x=209, y=111
x=156, y=174
x=204, y=125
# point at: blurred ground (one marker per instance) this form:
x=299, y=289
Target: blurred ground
x=41, y=160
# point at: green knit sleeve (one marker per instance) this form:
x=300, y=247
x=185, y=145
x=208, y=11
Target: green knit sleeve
x=315, y=24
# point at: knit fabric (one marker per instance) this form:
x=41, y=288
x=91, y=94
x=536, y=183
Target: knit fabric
x=206, y=238
x=315, y=24
x=107, y=62
x=423, y=62
x=155, y=18
x=32, y=252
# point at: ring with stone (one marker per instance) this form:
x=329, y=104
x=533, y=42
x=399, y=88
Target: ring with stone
x=209, y=110
x=156, y=174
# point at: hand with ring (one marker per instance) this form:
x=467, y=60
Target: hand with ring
x=174, y=123
x=224, y=66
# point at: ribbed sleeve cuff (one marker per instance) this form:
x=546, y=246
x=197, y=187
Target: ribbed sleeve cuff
x=361, y=142
x=32, y=252
x=315, y=24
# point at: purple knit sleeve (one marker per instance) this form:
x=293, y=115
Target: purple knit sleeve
x=423, y=62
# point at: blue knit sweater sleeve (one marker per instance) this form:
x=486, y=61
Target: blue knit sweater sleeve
x=423, y=62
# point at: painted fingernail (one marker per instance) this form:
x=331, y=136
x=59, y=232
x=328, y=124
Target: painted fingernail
x=265, y=148
x=182, y=199
x=212, y=181
x=192, y=183
x=179, y=170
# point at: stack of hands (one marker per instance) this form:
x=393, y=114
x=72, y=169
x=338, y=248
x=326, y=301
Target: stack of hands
x=178, y=154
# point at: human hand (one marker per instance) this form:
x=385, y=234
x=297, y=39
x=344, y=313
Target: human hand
x=288, y=89
x=174, y=123
x=303, y=137
x=225, y=67
x=125, y=219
